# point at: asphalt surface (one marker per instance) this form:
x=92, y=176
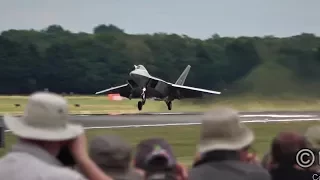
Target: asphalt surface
x=162, y=119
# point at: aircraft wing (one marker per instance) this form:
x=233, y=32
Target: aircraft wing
x=191, y=92
x=124, y=90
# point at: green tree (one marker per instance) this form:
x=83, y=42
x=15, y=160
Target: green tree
x=62, y=61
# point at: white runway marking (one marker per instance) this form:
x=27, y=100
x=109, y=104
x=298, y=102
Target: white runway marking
x=248, y=115
x=188, y=124
x=277, y=115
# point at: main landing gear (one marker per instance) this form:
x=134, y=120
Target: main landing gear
x=169, y=105
x=143, y=96
x=143, y=101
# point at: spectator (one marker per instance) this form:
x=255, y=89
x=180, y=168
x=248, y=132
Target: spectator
x=114, y=155
x=313, y=136
x=197, y=157
x=155, y=157
x=223, y=141
x=283, y=154
x=266, y=160
x=245, y=156
x=42, y=131
x=248, y=156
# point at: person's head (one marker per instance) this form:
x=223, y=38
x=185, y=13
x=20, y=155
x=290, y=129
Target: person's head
x=113, y=155
x=221, y=130
x=154, y=152
x=155, y=157
x=285, y=146
x=44, y=122
x=313, y=137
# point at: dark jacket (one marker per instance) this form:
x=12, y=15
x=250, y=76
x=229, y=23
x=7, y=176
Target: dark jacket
x=226, y=166
x=292, y=173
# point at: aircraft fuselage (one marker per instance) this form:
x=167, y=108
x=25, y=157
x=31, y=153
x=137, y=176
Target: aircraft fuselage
x=154, y=87
x=141, y=79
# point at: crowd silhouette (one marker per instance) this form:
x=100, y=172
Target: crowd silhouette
x=50, y=147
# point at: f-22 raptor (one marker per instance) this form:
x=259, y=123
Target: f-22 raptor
x=142, y=85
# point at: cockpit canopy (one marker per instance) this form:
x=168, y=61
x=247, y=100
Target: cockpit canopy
x=139, y=67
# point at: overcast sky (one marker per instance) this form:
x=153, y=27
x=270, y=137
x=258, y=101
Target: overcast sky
x=195, y=18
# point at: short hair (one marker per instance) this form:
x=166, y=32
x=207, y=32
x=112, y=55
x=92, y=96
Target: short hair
x=285, y=146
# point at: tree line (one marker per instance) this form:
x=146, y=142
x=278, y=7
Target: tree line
x=83, y=63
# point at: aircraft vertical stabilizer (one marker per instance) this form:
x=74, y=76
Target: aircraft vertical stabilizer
x=183, y=76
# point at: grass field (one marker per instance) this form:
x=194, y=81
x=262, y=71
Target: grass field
x=101, y=104
x=184, y=138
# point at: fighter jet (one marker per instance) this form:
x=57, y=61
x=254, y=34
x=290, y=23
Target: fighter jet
x=141, y=84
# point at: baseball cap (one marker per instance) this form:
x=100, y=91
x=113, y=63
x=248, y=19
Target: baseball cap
x=154, y=151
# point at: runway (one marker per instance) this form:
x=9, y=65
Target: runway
x=166, y=119
x=181, y=118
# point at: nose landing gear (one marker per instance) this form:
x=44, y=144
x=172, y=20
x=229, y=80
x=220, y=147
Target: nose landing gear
x=140, y=104
x=143, y=97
